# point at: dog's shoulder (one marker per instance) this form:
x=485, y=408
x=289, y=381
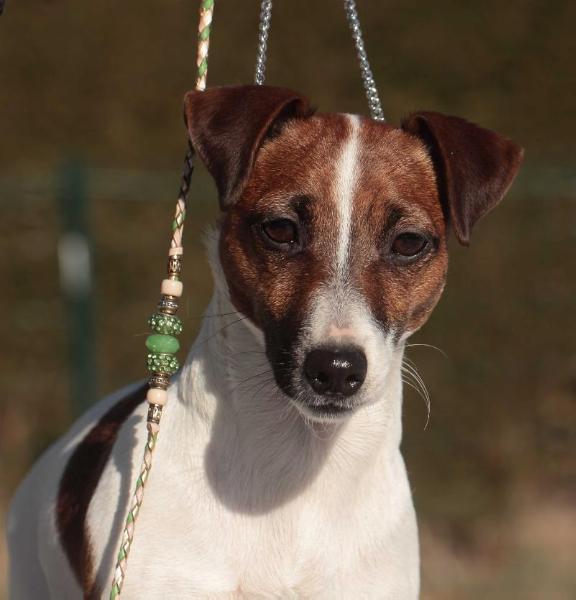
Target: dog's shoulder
x=54, y=498
x=80, y=479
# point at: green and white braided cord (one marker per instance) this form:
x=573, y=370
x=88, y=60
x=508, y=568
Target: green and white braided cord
x=128, y=535
x=204, y=29
x=206, y=12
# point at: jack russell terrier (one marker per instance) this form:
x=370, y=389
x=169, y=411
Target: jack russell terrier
x=278, y=471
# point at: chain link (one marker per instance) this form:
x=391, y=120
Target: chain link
x=263, y=30
x=354, y=22
x=365, y=70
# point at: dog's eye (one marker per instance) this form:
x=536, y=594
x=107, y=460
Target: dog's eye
x=282, y=232
x=409, y=245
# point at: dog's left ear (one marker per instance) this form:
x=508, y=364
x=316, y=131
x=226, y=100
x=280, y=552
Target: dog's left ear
x=474, y=166
x=227, y=126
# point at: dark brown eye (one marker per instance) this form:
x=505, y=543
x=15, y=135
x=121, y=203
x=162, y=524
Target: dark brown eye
x=409, y=245
x=282, y=232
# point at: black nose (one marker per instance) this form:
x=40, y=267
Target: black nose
x=335, y=372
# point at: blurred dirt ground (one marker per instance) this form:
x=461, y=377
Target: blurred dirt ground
x=494, y=474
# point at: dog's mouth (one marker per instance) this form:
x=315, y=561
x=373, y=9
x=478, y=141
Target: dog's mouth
x=323, y=408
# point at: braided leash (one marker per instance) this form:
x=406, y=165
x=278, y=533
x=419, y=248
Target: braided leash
x=164, y=324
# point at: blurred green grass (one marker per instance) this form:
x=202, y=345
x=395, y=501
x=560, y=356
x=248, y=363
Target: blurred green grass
x=494, y=474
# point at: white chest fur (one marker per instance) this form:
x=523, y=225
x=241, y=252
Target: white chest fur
x=246, y=498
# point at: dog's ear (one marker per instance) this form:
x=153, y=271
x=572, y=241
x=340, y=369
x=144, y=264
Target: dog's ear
x=227, y=125
x=474, y=166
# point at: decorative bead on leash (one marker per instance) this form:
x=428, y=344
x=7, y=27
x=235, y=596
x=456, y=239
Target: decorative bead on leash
x=165, y=326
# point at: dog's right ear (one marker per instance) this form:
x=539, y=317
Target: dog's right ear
x=227, y=126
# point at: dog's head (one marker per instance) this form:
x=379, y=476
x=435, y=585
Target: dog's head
x=334, y=227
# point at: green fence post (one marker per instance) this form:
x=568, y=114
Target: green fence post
x=75, y=265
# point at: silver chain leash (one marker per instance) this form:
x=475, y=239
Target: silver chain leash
x=365, y=70
x=263, y=31
x=353, y=20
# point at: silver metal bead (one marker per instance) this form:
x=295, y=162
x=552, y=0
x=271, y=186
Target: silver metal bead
x=154, y=413
x=174, y=266
x=168, y=305
x=160, y=381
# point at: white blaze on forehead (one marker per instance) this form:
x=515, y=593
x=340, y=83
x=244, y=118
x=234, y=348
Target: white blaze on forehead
x=344, y=192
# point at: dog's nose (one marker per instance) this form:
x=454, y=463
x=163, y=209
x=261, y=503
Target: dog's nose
x=332, y=371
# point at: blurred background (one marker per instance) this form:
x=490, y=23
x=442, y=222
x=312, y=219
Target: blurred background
x=91, y=145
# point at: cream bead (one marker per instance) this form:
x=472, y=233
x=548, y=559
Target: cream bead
x=157, y=396
x=171, y=287
x=175, y=251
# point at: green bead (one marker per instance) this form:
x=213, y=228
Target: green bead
x=165, y=344
x=162, y=363
x=166, y=324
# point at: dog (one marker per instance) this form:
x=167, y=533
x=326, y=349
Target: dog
x=278, y=472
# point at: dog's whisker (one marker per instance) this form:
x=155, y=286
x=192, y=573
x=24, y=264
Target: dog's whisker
x=242, y=382
x=428, y=346
x=210, y=316
x=210, y=337
x=260, y=388
x=411, y=367
x=417, y=389
x=417, y=383
x=225, y=314
x=263, y=379
x=253, y=365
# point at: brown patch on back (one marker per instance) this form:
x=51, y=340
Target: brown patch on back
x=78, y=484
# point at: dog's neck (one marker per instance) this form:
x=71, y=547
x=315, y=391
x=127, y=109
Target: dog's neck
x=259, y=450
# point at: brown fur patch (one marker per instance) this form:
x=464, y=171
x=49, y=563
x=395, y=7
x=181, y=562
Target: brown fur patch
x=293, y=176
x=271, y=158
x=396, y=192
x=395, y=179
x=78, y=484
x=475, y=166
x=409, y=180
x=227, y=125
